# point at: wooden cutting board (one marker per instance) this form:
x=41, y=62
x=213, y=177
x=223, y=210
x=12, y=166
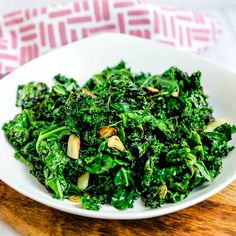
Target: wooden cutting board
x=214, y=216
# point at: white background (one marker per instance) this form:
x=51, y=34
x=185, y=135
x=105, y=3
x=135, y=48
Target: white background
x=223, y=52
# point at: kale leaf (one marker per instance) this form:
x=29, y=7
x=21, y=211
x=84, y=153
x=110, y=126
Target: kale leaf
x=137, y=135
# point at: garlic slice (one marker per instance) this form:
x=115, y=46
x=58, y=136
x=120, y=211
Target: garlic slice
x=75, y=199
x=114, y=142
x=73, y=146
x=85, y=91
x=151, y=90
x=107, y=131
x=83, y=181
x=213, y=124
x=163, y=190
x=175, y=94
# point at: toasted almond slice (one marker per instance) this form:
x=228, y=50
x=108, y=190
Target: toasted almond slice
x=75, y=199
x=175, y=94
x=107, y=131
x=213, y=124
x=83, y=181
x=114, y=142
x=151, y=90
x=73, y=146
x=85, y=91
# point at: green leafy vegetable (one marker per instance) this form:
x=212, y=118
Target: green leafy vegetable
x=140, y=135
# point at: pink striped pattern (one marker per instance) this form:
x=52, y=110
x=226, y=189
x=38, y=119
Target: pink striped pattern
x=121, y=23
x=14, y=39
x=138, y=12
x=11, y=14
x=42, y=34
x=14, y=21
x=76, y=7
x=79, y=19
x=8, y=56
x=26, y=34
x=59, y=13
x=74, y=36
x=139, y=22
x=26, y=28
x=51, y=36
x=106, y=10
x=62, y=32
x=29, y=37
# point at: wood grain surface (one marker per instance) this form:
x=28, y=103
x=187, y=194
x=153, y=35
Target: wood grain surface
x=214, y=216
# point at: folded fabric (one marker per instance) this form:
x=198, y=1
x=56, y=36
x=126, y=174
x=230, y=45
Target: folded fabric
x=26, y=34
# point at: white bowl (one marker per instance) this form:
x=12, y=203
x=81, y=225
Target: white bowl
x=81, y=60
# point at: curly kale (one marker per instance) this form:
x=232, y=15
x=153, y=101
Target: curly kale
x=137, y=135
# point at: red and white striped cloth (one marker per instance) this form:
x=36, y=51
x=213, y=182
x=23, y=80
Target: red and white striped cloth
x=28, y=33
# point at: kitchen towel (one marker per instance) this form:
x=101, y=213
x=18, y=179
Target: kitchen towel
x=26, y=34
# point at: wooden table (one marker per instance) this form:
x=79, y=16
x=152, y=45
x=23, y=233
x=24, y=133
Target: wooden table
x=214, y=216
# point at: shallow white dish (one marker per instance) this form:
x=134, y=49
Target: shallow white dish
x=81, y=60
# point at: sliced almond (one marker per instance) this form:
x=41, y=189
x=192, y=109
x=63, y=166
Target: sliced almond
x=114, y=142
x=151, y=90
x=175, y=94
x=85, y=91
x=73, y=146
x=83, y=181
x=213, y=124
x=75, y=199
x=107, y=131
